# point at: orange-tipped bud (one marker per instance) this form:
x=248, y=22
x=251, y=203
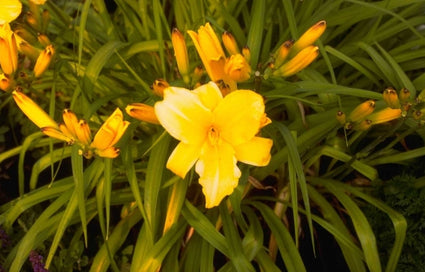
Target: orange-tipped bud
x=8, y=50
x=417, y=114
x=6, y=83
x=309, y=37
x=230, y=43
x=340, y=116
x=361, y=111
x=43, y=39
x=385, y=115
x=29, y=50
x=43, y=61
x=282, y=53
x=237, y=68
x=83, y=132
x=246, y=52
x=299, y=62
x=142, y=112
x=363, y=125
x=33, y=21
x=404, y=95
x=391, y=98
x=71, y=122
x=10, y=10
x=33, y=111
x=158, y=86
x=180, y=52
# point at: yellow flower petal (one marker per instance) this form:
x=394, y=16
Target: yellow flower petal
x=10, y=10
x=33, y=111
x=57, y=134
x=183, y=115
x=111, y=131
x=255, y=152
x=110, y=152
x=209, y=94
x=218, y=172
x=239, y=116
x=183, y=158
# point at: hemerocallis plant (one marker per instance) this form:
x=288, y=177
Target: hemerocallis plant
x=214, y=133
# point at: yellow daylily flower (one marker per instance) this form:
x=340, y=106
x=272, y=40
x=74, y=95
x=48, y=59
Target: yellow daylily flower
x=142, y=112
x=8, y=50
x=214, y=133
x=10, y=10
x=109, y=134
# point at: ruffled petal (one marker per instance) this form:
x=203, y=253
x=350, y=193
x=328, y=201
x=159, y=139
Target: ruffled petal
x=183, y=158
x=255, y=152
x=183, y=115
x=218, y=172
x=209, y=94
x=239, y=116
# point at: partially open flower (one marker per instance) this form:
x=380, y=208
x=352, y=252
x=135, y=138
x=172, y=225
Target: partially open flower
x=109, y=134
x=237, y=68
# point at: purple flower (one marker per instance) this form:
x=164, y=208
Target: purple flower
x=37, y=262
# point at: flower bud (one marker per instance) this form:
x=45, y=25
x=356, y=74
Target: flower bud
x=180, y=52
x=237, y=68
x=43, y=39
x=299, y=62
x=6, y=83
x=43, y=60
x=309, y=37
x=197, y=74
x=142, y=112
x=340, y=116
x=33, y=111
x=230, y=43
x=58, y=134
x=29, y=50
x=391, y=98
x=363, y=125
x=159, y=86
x=361, y=111
x=246, y=52
x=282, y=53
x=404, y=95
x=417, y=114
x=384, y=115
x=71, y=122
x=8, y=50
